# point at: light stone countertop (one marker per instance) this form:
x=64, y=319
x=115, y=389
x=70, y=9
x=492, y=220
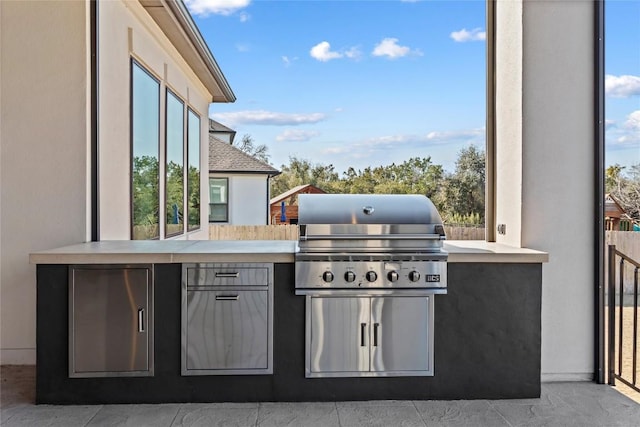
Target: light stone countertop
x=180, y=251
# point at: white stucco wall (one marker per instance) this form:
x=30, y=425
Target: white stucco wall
x=126, y=31
x=44, y=107
x=555, y=168
x=248, y=198
x=509, y=120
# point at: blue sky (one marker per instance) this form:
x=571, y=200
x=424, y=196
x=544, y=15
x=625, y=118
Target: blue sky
x=368, y=83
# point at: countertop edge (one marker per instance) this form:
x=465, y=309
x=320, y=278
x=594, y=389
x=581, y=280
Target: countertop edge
x=167, y=252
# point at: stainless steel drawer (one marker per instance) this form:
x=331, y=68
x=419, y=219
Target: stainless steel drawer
x=227, y=330
x=227, y=319
x=233, y=274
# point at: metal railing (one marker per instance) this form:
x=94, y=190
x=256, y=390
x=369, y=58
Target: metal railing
x=613, y=360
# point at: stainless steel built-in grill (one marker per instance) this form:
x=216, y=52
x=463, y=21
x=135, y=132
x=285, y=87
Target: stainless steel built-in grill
x=350, y=241
x=369, y=266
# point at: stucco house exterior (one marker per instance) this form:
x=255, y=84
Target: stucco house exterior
x=104, y=131
x=238, y=186
x=66, y=148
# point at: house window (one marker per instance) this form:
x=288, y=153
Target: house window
x=193, y=179
x=218, y=200
x=178, y=205
x=174, y=166
x=145, y=152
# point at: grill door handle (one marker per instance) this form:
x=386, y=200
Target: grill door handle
x=363, y=329
x=375, y=334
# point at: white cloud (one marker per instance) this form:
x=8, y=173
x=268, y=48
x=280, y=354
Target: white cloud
x=244, y=17
x=322, y=52
x=296, y=135
x=217, y=7
x=262, y=117
x=390, y=48
x=431, y=137
x=353, y=53
x=468, y=36
x=633, y=121
x=243, y=47
x=621, y=86
x=625, y=135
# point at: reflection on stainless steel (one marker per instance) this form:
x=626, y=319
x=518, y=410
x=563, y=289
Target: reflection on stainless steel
x=369, y=267
x=227, y=319
x=110, y=321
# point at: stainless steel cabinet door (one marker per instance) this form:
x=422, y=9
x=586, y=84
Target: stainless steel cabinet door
x=109, y=328
x=227, y=330
x=339, y=335
x=401, y=334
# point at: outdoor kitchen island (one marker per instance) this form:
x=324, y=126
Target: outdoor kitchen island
x=486, y=328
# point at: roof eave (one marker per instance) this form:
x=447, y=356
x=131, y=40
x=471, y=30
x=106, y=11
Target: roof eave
x=207, y=70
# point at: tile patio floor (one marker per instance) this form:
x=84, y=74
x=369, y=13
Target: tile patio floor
x=561, y=404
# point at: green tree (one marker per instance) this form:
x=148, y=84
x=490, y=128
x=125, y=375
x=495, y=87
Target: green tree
x=146, y=197
x=463, y=191
x=246, y=144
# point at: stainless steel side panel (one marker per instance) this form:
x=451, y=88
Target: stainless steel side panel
x=339, y=335
x=110, y=321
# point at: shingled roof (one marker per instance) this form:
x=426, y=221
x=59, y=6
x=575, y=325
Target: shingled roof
x=226, y=158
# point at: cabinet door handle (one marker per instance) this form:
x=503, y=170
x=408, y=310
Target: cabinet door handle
x=363, y=327
x=227, y=297
x=141, y=320
x=228, y=275
x=375, y=334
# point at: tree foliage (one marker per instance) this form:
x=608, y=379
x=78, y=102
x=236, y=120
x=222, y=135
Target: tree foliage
x=624, y=185
x=247, y=145
x=459, y=196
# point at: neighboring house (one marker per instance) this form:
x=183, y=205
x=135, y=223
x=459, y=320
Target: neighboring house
x=289, y=200
x=615, y=217
x=104, y=131
x=221, y=132
x=238, y=186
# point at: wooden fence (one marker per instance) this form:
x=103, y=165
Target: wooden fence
x=253, y=232
x=290, y=232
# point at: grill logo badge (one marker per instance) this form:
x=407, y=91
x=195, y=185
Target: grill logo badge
x=430, y=278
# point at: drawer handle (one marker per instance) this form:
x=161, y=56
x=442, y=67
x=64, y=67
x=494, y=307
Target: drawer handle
x=363, y=329
x=141, y=320
x=228, y=275
x=227, y=297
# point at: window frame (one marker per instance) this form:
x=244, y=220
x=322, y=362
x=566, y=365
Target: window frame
x=188, y=207
x=226, y=220
x=169, y=92
x=135, y=63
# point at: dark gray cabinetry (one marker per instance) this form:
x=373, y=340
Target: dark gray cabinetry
x=110, y=321
x=227, y=319
x=369, y=336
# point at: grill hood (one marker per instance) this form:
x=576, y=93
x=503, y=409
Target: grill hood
x=366, y=209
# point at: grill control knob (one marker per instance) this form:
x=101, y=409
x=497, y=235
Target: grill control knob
x=349, y=276
x=414, y=276
x=393, y=276
x=371, y=276
x=327, y=276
